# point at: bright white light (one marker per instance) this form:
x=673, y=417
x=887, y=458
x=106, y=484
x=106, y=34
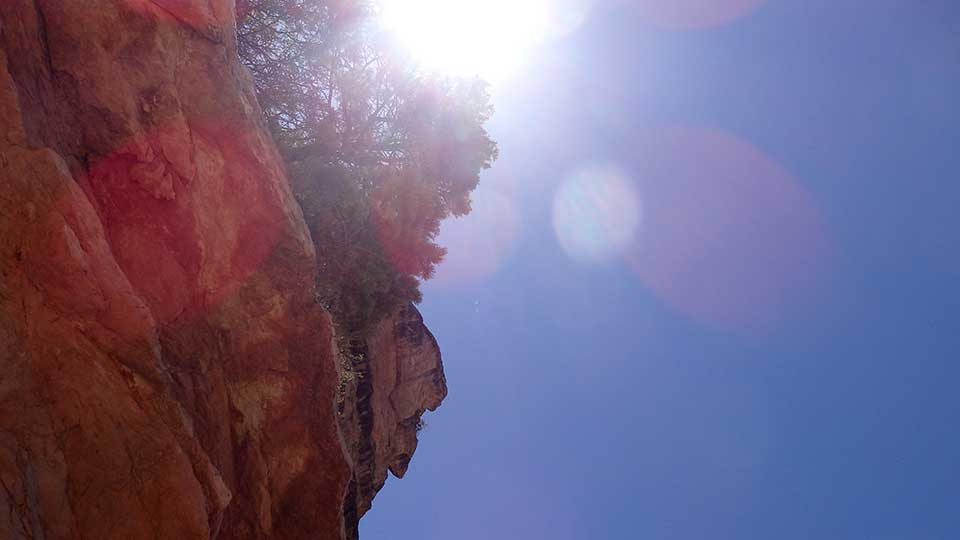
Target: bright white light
x=486, y=38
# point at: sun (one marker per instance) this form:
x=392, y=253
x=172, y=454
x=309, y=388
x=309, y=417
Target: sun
x=485, y=38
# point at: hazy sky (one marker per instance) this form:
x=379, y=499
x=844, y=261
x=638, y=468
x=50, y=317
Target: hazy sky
x=710, y=289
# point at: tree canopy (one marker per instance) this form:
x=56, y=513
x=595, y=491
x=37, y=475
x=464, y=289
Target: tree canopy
x=379, y=151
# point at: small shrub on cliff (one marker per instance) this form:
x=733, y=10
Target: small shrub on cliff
x=379, y=152
x=357, y=281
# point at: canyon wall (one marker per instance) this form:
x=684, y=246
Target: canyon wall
x=165, y=371
x=397, y=375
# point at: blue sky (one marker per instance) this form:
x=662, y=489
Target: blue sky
x=773, y=354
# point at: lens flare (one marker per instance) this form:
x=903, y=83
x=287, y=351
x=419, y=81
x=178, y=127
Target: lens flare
x=595, y=213
x=691, y=14
x=730, y=239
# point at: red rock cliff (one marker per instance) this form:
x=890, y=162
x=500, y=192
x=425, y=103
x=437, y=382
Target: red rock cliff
x=398, y=375
x=164, y=370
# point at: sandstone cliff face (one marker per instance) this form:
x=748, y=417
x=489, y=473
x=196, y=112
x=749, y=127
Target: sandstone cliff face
x=164, y=370
x=398, y=376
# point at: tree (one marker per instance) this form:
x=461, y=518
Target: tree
x=400, y=149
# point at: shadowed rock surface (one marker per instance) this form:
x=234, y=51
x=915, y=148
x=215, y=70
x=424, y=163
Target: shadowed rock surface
x=399, y=376
x=165, y=372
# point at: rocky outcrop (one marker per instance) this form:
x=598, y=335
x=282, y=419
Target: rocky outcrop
x=397, y=375
x=164, y=370
x=390, y=371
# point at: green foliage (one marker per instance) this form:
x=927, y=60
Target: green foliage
x=357, y=282
x=348, y=373
x=379, y=152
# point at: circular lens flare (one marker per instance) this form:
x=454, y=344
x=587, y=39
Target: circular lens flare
x=730, y=239
x=595, y=213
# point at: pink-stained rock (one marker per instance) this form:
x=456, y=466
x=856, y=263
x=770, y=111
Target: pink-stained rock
x=164, y=370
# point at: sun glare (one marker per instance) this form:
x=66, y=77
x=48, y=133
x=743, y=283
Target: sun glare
x=467, y=38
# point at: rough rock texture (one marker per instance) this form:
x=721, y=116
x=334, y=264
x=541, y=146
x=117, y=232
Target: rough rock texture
x=390, y=374
x=399, y=375
x=164, y=370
